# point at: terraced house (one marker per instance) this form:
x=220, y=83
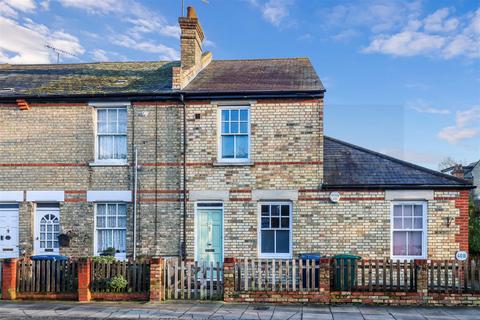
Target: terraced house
x=207, y=159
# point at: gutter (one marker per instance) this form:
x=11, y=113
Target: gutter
x=152, y=96
x=394, y=186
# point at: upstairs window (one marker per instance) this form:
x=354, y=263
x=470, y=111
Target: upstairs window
x=409, y=230
x=111, y=134
x=234, y=143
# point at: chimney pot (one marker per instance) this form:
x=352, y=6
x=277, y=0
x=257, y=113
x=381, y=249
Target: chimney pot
x=191, y=13
x=458, y=171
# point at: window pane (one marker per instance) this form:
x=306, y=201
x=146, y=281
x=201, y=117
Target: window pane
x=407, y=223
x=418, y=222
x=225, y=115
x=100, y=222
x=265, y=211
x=283, y=241
x=122, y=121
x=415, y=243
x=265, y=222
x=275, y=210
x=233, y=127
x=102, y=127
x=227, y=147
x=275, y=222
x=101, y=209
x=407, y=211
x=102, y=115
x=122, y=222
x=399, y=243
x=418, y=211
x=397, y=211
x=120, y=147
x=111, y=222
x=112, y=209
x=242, y=146
x=243, y=115
x=285, y=211
x=122, y=209
x=225, y=127
x=105, y=147
x=243, y=127
x=285, y=223
x=268, y=241
x=397, y=223
x=233, y=115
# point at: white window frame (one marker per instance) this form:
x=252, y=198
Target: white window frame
x=120, y=255
x=261, y=255
x=424, y=205
x=105, y=106
x=219, y=135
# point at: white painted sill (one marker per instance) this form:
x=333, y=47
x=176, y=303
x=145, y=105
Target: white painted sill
x=108, y=164
x=232, y=163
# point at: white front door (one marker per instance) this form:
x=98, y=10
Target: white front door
x=9, y=243
x=47, y=229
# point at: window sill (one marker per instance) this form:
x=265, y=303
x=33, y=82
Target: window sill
x=280, y=257
x=108, y=164
x=232, y=163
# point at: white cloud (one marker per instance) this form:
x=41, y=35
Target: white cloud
x=22, y=5
x=439, y=21
x=165, y=52
x=467, y=125
x=273, y=11
x=439, y=34
x=100, y=55
x=406, y=43
x=93, y=6
x=422, y=106
x=25, y=43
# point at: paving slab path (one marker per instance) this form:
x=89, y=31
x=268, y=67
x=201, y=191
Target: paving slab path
x=220, y=311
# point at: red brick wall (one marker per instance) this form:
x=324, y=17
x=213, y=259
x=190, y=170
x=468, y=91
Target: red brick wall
x=461, y=203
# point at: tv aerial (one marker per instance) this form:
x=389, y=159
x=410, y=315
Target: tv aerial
x=59, y=51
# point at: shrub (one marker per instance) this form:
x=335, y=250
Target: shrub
x=474, y=228
x=104, y=259
x=109, y=252
x=117, y=284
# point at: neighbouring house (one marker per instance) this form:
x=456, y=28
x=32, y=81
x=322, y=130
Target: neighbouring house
x=232, y=162
x=469, y=172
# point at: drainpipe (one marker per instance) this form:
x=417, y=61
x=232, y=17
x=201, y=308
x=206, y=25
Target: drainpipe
x=135, y=187
x=184, y=240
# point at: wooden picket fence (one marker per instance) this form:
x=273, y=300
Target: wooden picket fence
x=136, y=273
x=450, y=276
x=47, y=276
x=188, y=280
x=277, y=275
x=374, y=275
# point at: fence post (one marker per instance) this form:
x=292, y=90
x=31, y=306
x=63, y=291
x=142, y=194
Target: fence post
x=84, y=266
x=9, y=279
x=229, y=279
x=157, y=266
x=325, y=275
x=421, y=269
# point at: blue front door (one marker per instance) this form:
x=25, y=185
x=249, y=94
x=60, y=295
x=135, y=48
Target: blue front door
x=209, y=235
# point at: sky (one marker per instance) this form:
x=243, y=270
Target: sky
x=402, y=77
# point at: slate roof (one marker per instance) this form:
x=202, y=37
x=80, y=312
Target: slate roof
x=295, y=74
x=290, y=75
x=347, y=165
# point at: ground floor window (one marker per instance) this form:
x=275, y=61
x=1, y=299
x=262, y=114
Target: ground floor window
x=275, y=230
x=111, y=227
x=409, y=236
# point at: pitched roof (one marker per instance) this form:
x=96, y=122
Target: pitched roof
x=257, y=75
x=347, y=165
x=291, y=75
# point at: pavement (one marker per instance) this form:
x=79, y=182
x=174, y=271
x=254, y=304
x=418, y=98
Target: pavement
x=216, y=311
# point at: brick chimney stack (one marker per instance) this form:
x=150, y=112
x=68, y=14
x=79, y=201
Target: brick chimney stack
x=191, y=39
x=193, y=60
x=458, y=171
